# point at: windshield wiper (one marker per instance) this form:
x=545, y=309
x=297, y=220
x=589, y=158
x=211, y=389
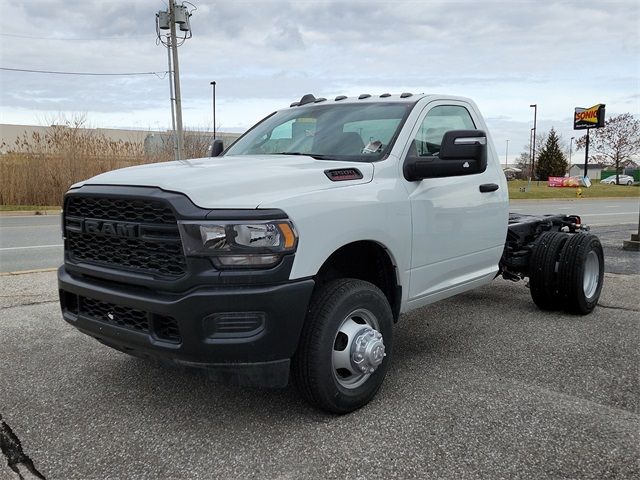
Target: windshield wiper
x=317, y=156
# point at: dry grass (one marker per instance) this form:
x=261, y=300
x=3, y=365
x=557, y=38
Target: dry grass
x=39, y=169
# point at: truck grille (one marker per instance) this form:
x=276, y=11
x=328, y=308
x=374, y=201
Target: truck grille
x=163, y=327
x=130, y=234
x=113, y=314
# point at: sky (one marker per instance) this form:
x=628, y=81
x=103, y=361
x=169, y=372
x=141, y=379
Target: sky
x=263, y=55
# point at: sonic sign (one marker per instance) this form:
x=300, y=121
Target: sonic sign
x=586, y=119
x=592, y=117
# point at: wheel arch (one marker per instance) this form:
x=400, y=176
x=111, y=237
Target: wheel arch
x=367, y=260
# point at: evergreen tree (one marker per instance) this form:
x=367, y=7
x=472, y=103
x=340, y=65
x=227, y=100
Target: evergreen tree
x=551, y=161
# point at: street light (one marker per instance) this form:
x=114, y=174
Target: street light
x=535, y=120
x=214, y=109
x=570, y=144
x=506, y=155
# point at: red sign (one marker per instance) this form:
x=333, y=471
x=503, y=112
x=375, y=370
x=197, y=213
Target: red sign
x=565, y=181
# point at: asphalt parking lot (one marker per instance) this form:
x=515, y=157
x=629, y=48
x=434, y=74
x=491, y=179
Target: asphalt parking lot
x=482, y=385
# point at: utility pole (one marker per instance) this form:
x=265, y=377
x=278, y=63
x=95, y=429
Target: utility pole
x=171, y=100
x=167, y=20
x=176, y=77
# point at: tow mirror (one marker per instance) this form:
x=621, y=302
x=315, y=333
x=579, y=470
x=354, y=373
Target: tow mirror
x=462, y=152
x=216, y=148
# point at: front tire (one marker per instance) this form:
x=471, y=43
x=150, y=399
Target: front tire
x=345, y=346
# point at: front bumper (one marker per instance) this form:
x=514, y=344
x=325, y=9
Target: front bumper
x=241, y=334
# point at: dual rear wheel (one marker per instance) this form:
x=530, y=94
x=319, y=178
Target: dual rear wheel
x=566, y=272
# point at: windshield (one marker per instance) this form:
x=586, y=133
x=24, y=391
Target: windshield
x=356, y=132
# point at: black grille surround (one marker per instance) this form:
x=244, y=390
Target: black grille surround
x=134, y=234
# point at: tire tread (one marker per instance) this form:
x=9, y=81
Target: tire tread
x=326, y=299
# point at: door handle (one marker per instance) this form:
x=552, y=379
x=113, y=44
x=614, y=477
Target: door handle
x=489, y=187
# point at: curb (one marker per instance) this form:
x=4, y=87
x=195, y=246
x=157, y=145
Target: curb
x=17, y=213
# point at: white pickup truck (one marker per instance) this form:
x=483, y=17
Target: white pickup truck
x=294, y=251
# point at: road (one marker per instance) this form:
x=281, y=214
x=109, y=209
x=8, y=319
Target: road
x=30, y=242
x=35, y=242
x=482, y=385
x=595, y=212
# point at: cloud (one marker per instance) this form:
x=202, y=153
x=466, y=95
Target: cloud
x=285, y=36
x=263, y=55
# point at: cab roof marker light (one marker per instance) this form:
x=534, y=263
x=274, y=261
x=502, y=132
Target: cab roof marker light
x=340, y=97
x=406, y=95
x=385, y=95
x=363, y=96
x=308, y=98
x=321, y=99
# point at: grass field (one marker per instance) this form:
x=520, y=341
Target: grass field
x=538, y=190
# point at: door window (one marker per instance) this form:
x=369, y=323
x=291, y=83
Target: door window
x=436, y=123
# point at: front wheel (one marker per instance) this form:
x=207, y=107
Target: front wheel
x=629, y=183
x=345, y=346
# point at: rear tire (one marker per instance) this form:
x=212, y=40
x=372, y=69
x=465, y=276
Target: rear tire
x=543, y=267
x=581, y=273
x=323, y=368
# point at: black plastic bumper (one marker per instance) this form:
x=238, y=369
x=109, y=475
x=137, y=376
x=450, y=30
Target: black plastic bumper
x=241, y=334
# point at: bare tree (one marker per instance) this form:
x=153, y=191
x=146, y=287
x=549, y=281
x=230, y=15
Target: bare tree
x=618, y=141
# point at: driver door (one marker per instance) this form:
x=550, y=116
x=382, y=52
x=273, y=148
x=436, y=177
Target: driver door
x=458, y=231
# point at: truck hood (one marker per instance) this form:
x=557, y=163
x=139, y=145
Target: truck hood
x=245, y=181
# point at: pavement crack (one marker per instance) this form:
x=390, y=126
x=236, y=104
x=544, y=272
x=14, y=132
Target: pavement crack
x=17, y=460
x=28, y=304
x=613, y=307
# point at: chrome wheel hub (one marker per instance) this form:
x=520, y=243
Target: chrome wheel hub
x=368, y=350
x=358, y=349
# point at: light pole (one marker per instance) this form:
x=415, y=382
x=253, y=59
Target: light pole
x=530, y=150
x=213, y=84
x=506, y=155
x=533, y=155
x=570, y=145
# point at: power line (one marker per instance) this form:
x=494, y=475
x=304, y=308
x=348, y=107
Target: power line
x=32, y=37
x=163, y=73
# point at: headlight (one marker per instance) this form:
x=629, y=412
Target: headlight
x=238, y=244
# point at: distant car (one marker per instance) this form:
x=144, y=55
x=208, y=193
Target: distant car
x=622, y=180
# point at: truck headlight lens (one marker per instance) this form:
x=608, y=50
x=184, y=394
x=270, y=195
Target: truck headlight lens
x=239, y=244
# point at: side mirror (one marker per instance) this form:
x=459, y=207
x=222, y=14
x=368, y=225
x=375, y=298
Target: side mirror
x=462, y=152
x=216, y=148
